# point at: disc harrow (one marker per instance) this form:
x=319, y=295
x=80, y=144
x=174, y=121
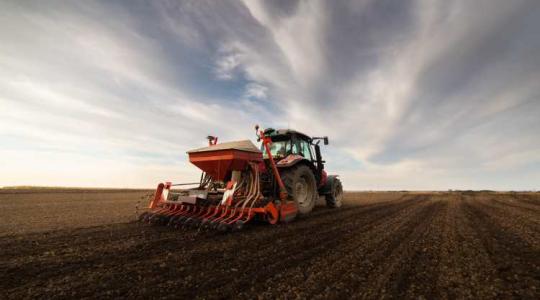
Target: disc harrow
x=227, y=209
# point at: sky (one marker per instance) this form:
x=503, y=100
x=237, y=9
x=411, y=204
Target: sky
x=418, y=95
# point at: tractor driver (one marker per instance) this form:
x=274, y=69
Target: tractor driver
x=282, y=152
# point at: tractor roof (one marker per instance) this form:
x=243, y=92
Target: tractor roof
x=286, y=132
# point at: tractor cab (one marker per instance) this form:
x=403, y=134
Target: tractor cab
x=290, y=147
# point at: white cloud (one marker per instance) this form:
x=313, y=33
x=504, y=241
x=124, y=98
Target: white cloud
x=226, y=66
x=256, y=91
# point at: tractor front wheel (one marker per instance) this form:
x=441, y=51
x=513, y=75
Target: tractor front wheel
x=335, y=198
x=301, y=187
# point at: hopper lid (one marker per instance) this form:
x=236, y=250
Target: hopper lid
x=245, y=145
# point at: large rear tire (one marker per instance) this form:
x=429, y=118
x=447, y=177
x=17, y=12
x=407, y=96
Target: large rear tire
x=301, y=187
x=335, y=198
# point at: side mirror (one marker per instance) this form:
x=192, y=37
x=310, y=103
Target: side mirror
x=326, y=140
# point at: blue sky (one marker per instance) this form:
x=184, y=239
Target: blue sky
x=413, y=94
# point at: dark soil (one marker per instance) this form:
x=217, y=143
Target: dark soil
x=397, y=245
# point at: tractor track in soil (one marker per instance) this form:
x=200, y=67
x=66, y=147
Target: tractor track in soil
x=400, y=245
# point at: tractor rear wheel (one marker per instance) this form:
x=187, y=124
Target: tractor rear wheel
x=335, y=198
x=301, y=187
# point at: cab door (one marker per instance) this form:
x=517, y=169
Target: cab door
x=305, y=150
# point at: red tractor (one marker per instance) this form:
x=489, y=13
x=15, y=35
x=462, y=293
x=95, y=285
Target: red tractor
x=240, y=183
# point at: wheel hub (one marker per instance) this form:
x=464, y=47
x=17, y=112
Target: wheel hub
x=301, y=191
x=338, y=195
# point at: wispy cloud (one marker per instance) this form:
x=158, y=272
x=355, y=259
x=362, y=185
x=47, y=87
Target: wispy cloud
x=414, y=94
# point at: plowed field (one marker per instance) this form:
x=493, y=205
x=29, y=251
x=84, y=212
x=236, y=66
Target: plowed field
x=430, y=245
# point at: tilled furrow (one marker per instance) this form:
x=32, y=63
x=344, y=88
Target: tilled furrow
x=399, y=245
x=293, y=252
x=532, y=200
x=104, y=255
x=393, y=273
x=334, y=264
x=524, y=224
x=514, y=203
x=527, y=216
x=466, y=270
x=518, y=264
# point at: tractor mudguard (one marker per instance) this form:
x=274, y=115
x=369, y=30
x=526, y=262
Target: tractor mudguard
x=290, y=160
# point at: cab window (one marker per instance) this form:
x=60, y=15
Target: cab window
x=279, y=149
x=295, y=149
x=305, y=150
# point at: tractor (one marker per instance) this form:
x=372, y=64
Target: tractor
x=278, y=182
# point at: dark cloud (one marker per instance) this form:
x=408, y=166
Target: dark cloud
x=281, y=8
x=357, y=36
